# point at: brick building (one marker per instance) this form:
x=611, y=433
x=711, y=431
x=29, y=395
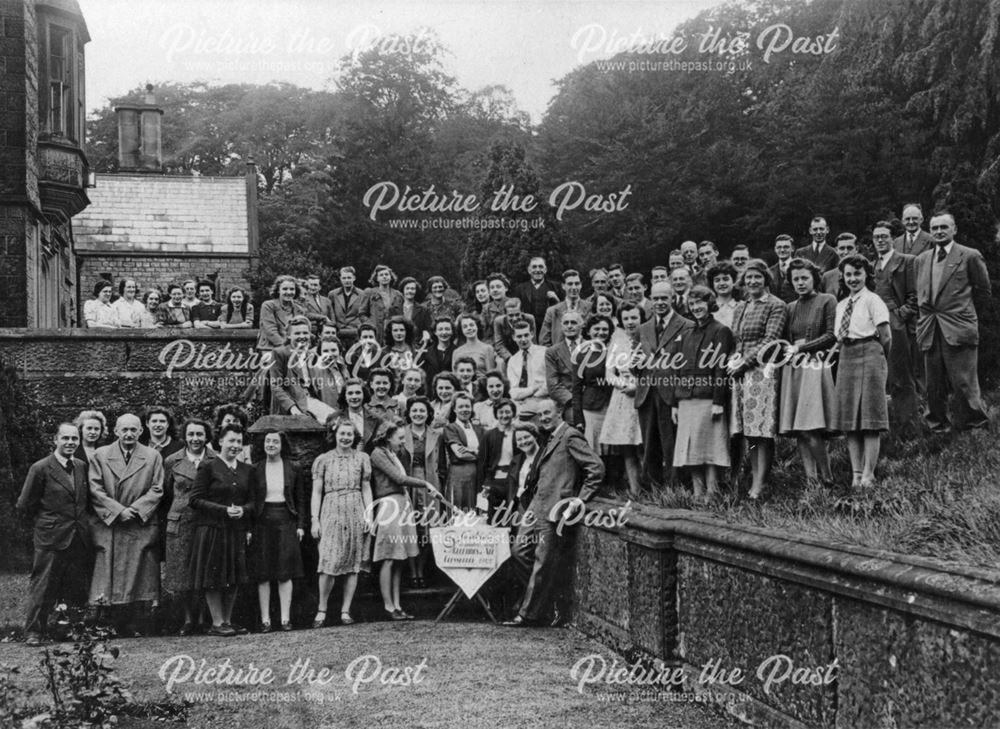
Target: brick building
x=160, y=228
x=43, y=169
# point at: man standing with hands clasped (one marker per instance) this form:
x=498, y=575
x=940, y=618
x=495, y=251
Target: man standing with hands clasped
x=126, y=485
x=55, y=498
x=546, y=535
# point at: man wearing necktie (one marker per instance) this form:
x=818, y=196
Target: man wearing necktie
x=659, y=340
x=55, y=498
x=952, y=286
x=914, y=241
x=559, y=365
x=526, y=369
x=818, y=251
x=779, y=271
x=126, y=485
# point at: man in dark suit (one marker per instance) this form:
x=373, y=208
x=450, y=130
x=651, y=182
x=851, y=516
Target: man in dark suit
x=346, y=303
x=538, y=293
x=55, y=498
x=818, y=251
x=779, y=271
x=654, y=394
x=833, y=280
x=503, y=329
x=559, y=364
x=896, y=283
x=290, y=376
x=318, y=308
x=914, y=241
x=952, y=286
x=551, y=329
x=546, y=535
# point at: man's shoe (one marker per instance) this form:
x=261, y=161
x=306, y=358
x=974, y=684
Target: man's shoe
x=33, y=640
x=517, y=622
x=225, y=631
x=240, y=630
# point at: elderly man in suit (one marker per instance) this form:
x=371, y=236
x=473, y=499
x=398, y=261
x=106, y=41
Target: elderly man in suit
x=537, y=294
x=126, y=485
x=659, y=339
x=551, y=332
x=952, y=286
x=55, y=498
x=566, y=474
x=559, y=363
x=896, y=283
x=346, y=303
x=818, y=251
x=779, y=271
x=914, y=241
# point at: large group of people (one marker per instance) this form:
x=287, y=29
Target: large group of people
x=518, y=399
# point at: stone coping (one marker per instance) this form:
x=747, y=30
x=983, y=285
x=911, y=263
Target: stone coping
x=960, y=595
x=28, y=334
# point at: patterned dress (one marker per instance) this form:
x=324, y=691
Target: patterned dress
x=343, y=543
x=758, y=325
x=621, y=423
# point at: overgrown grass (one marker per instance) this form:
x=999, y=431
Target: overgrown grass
x=936, y=496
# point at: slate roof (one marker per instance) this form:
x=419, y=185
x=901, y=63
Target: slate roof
x=165, y=214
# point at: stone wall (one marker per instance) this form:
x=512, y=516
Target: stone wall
x=914, y=644
x=116, y=371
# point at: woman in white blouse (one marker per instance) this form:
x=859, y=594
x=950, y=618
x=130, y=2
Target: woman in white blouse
x=864, y=337
x=128, y=309
x=98, y=312
x=462, y=438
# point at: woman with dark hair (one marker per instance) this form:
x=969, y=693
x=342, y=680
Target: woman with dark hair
x=701, y=393
x=437, y=358
x=808, y=398
x=280, y=520
x=365, y=354
x=341, y=516
x=172, y=312
x=605, y=305
x=462, y=440
x=864, y=336
x=381, y=300
x=353, y=401
x=439, y=304
x=492, y=388
x=422, y=451
x=179, y=472
x=229, y=414
x=223, y=501
x=329, y=371
x=721, y=278
x=497, y=453
x=620, y=433
x=591, y=392
x=414, y=313
x=444, y=386
x=159, y=430
x=277, y=311
x=757, y=323
x=477, y=297
x=93, y=427
x=237, y=312
x=151, y=313
x=497, y=285
x=398, y=338
x=395, y=533
x=98, y=312
x=128, y=309
x=471, y=329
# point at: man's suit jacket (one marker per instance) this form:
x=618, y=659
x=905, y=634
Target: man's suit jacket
x=297, y=491
x=780, y=286
x=833, y=283
x=347, y=317
x=923, y=242
x=964, y=288
x=826, y=258
x=57, y=502
x=536, y=301
x=658, y=351
x=897, y=285
x=552, y=324
x=317, y=308
x=565, y=461
x=559, y=376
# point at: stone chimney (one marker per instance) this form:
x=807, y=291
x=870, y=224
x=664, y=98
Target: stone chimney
x=140, y=147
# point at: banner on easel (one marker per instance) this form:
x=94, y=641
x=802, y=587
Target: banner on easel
x=471, y=553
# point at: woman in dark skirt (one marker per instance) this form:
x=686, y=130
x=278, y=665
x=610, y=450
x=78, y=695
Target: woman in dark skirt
x=281, y=516
x=862, y=327
x=180, y=470
x=462, y=439
x=223, y=501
